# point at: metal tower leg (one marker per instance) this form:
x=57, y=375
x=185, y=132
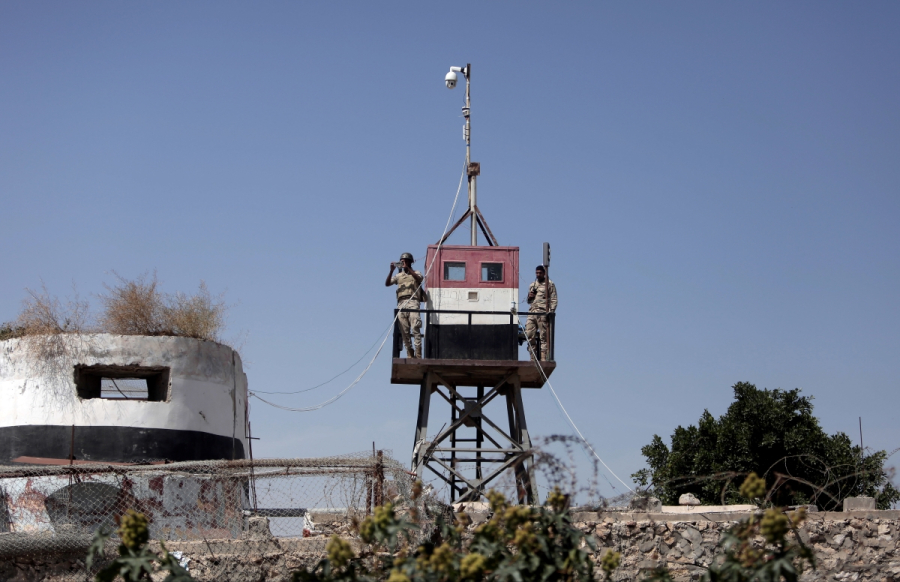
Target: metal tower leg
x=419, y=446
x=525, y=478
x=446, y=462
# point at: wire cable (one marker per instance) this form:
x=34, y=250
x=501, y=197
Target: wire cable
x=387, y=333
x=566, y=413
x=333, y=378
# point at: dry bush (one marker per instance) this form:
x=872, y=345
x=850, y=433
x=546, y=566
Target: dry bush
x=138, y=307
x=199, y=316
x=134, y=307
x=46, y=325
x=53, y=330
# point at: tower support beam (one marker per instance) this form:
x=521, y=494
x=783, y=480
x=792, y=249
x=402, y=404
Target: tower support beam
x=495, y=450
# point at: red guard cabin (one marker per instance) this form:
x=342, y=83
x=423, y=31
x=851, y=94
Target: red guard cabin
x=472, y=337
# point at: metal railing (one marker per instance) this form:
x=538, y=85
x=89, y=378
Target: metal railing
x=516, y=335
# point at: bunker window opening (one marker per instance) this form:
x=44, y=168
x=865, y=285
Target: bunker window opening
x=454, y=271
x=138, y=383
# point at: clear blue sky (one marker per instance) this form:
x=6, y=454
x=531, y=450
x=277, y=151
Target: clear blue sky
x=720, y=183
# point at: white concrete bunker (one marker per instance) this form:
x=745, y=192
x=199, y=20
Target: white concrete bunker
x=127, y=399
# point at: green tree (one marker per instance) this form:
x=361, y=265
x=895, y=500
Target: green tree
x=772, y=433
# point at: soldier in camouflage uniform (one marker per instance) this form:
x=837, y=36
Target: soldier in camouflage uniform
x=537, y=298
x=407, y=282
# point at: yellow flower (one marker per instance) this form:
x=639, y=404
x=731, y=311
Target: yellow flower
x=442, y=558
x=556, y=500
x=610, y=561
x=472, y=565
x=774, y=525
x=524, y=538
x=514, y=516
x=497, y=500
x=384, y=514
x=134, y=529
x=339, y=551
x=367, y=530
x=748, y=555
x=463, y=519
x=754, y=487
x=397, y=576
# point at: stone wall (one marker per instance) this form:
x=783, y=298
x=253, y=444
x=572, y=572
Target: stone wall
x=849, y=546
x=854, y=545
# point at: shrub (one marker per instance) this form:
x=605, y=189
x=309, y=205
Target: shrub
x=10, y=330
x=138, y=307
x=134, y=307
x=199, y=316
x=517, y=543
x=135, y=560
x=46, y=326
x=130, y=307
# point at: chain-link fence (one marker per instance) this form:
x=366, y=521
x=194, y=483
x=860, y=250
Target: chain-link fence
x=227, y=520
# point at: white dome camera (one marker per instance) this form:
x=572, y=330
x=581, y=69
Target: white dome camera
x=450, y=80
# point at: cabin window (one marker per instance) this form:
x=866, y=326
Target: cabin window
x=140, y=383
x=454, y=271
x=491, y=271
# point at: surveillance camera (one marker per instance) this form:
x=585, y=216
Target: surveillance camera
x=450, y=80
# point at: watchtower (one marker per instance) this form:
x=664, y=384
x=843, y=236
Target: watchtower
x=471, y=358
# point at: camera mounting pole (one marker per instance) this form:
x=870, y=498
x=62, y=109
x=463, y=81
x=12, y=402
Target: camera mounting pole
x=472, y=170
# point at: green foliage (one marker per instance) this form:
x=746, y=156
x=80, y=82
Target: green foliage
x=517, y=543
x=779, y=558
x=135, y=560
x=774, y=434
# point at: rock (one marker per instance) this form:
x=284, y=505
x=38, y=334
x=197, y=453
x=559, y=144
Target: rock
x=258, y=529
x=692, y=535
x=859, y=504
x=689, y=499
x=646, y=504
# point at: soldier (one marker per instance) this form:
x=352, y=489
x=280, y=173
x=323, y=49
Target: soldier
x=407, y=282
x=537, y=298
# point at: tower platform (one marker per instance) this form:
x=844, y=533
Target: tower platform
x=470, y=372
